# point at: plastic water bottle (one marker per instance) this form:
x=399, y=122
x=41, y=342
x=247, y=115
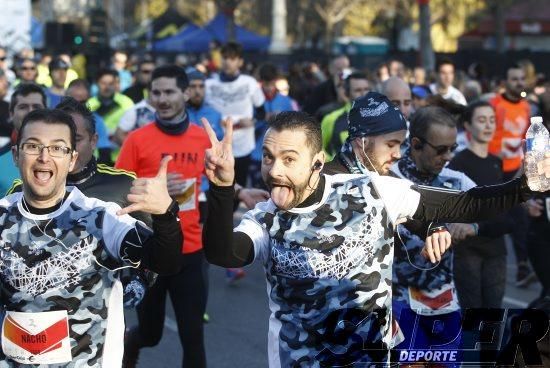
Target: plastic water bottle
x=537, y=144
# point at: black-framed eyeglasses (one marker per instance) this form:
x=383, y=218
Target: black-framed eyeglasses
x=54, y=150
x=440, y=150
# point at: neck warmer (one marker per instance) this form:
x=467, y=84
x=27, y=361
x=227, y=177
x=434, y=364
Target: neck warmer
x=177, y=125
x=228, y=78
x=410, y=171
x=348, y=158
x=86, y=173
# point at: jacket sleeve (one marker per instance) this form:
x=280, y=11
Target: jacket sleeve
x=479, y=203
x=223, y=246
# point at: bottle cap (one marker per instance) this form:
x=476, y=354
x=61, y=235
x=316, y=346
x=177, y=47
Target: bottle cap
x=536, y=119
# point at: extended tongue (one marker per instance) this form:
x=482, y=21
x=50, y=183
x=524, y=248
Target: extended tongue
x=280, y=195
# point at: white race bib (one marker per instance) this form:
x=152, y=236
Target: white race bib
x=186, y=198
x=434, y=302
x=36, y=338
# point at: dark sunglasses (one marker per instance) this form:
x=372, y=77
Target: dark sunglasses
x=440, y=150
x=3, y=58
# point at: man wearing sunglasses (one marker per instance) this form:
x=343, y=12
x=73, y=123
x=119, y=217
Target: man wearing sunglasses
x=423, y=292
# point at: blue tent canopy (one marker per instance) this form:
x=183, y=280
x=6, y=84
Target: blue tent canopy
x=198, y=40
x=175, y=43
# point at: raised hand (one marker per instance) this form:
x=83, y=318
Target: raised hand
x=251, y=196
x=436, y=245
x=175, y=183
x=150, y=194
x=219, y=161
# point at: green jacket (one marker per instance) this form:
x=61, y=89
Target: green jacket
x=112, y=115
x=327, y=127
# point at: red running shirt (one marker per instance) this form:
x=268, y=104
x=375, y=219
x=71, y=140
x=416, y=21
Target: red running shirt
x=142, y=152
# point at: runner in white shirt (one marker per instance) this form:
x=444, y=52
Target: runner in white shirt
x=61, y=300
x=444, y=85
x=238, y=97
x=327, y=242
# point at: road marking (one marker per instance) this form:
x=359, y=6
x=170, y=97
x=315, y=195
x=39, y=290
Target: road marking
x=515, y=302
x=171, y=324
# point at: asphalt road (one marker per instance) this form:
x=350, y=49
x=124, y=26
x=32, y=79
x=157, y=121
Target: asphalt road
x=237, y=333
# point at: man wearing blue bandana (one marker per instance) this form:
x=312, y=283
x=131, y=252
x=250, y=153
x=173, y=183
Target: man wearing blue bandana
x=326, y=241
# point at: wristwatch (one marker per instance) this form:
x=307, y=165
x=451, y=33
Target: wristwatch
x=173, y=209
x=436, y=228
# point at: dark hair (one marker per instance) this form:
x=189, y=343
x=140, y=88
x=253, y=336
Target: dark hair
x=172, y=71
x=25, y=89
x=471, y=108
x=232, y=50
x=49, y=116
x=104, y=72
x=427, y=116
x=298, y=120
x=19, y=63
x=146, y=59
x=72, y=106
x=513, y=66
x=82, y=83
x=354, y=75
x=444, y=61
x=268, y=72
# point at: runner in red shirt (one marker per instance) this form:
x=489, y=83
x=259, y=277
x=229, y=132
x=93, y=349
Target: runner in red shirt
x=172, y=134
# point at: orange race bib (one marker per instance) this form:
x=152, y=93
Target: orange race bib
x=433, y=302
x=36, y=338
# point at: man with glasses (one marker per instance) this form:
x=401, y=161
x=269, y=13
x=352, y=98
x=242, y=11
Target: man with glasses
x=59, y=248
x=139, y=90
x=424, y=292
x=26, y=71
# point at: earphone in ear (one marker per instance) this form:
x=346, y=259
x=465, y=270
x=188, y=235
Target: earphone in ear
x=318, y=165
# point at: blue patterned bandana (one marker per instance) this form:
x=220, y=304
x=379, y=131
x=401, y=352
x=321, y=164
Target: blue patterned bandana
x=374, y=114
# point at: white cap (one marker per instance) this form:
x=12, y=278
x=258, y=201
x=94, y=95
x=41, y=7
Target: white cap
x=536, y=119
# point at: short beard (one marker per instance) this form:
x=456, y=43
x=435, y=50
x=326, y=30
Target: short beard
x=368, y=158
x=195, y=105
x=297, y=190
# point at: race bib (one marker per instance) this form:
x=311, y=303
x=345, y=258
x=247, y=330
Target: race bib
x=434, y=302
x=186, y=198
x=36, y=338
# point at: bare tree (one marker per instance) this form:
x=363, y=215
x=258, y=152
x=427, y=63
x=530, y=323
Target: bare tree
x=332, y=12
